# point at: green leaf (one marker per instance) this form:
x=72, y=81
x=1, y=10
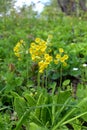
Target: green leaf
x=82, y=108
x=74, y=118
x=39, y=102
x=63, y=96
x=34, y=126
x=58, y=115
x=53, y=86
x=30, y=99
x=44, y=111
x=66, y=82
x=22, y=119
x=76, y=124
x=20, y=106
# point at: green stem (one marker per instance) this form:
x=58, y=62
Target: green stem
x=38, y=79
x=61, y=76
x=43, y=80
x=46, y=80
x=27, y=71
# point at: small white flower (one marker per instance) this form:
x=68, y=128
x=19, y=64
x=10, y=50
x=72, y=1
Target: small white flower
x=84, y=65
x=75, y=69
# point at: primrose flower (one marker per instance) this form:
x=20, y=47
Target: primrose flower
x=61, y=50
x=56, y=62
x=42, y=42
x=64, y=64
x=19, y=48
x=33, y=57
x=40, y=53
x=66, y=57
x=17, y=54
x=48, y=58
x=42, y=66
x=33, y=45
x=43, y=48
x=37, y=40
x=21, y=41
x=38, y=49
x=61, y=57
x=46, y=55
x=58, y=56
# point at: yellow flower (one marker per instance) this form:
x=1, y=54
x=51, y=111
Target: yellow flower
x=18, y=44
x=40, y=63
x=37, y=40
x=61, y=50
x=43, y=48
x=21, y=41
x=16, y=49
x=42, y=42
x=62, y=59
x=30, y=50
x=64, y=64
x=42, y=66
x=33, y=45
x=58, y=56
x=19, y=49
x=39, y=55
x=46, y=55
x=37, y=47
x=48, y=58
x=56, y=61
x=17, y=54
x=45, y=65
x=37, y=58
x=40, y=71
x=66, y=57
x=33, y=57
x=36, y=53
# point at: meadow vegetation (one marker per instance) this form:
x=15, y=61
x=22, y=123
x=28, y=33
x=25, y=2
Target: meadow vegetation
x=43, y=71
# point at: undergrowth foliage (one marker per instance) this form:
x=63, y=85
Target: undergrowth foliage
x=43, y=77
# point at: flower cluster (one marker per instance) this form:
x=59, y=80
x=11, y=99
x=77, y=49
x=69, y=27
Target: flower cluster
x=61, y=57
x=43, y=64
x=38, y=51
x=18, y=49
